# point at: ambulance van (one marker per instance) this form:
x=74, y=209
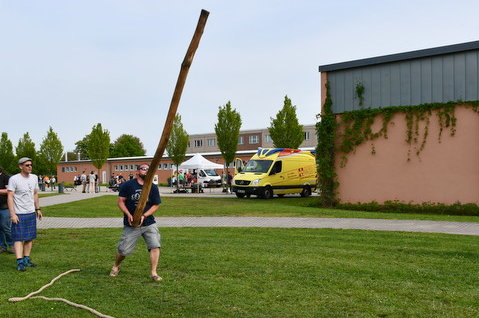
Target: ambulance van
x=276, y=171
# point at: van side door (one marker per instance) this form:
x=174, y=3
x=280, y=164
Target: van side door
x=276, y=176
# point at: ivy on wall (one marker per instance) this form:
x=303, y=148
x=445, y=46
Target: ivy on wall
x=326, y=133
x=353, y=128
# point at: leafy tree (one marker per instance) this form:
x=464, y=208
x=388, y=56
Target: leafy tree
x=82, y=148
x=227, y=132
x=127, y=146
x=7, y=158
x=51, y=151
x=98, y=146
x=26, y=147
x=177, y=144
x=285, y=130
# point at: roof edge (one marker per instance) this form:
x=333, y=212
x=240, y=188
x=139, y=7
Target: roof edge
x=448, y=49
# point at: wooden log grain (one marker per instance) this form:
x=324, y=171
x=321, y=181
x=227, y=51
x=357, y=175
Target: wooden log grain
x=175, y=100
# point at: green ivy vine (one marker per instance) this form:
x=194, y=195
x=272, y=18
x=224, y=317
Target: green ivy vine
x=326, y=133
x=355, y=127
x=359, y=89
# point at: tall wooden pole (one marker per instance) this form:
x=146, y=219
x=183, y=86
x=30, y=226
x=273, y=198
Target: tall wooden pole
x=175, y=100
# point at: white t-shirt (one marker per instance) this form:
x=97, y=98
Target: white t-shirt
x=23, y=189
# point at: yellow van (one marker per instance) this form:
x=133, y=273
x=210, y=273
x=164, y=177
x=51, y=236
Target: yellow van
x=277, y=171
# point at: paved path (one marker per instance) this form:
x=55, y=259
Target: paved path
x=275, y=222
x=461, y=228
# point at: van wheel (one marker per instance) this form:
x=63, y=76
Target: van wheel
x=240, y=195
x=306, y=192
x=268, y=193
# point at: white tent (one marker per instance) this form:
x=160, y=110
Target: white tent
x=199, y=162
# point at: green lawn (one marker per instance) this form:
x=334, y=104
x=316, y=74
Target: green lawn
x=181, y=206
x=46, y=194
x=230, y=272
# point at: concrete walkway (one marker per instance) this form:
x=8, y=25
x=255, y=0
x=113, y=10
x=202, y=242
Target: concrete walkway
x=461, y=228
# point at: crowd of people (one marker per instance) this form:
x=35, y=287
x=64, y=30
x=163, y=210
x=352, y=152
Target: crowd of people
x=47, y=183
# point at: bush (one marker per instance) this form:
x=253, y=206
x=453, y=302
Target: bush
x=470, y=209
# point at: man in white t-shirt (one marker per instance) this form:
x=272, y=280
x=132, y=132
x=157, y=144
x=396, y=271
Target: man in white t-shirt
x=24, y=209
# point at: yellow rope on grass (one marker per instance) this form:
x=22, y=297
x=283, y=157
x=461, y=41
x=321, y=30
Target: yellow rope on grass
x=32, y=295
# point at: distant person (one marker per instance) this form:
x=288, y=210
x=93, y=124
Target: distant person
x=46, y=180
x=6, y=243
x=97, y=184
x=24, y=209
x=53, y=181
x=83, y=181
x=128, y=198
x=91, y=186
x=230, y=179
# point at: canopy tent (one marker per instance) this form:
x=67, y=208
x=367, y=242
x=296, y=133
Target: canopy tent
x=199, y=162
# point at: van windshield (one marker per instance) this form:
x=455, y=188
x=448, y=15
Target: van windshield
x=258, y=166
x=211, y=172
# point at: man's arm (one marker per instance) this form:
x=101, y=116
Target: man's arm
x=150, y=211
x=13, y=215
x=123, y=208
x=36, y=202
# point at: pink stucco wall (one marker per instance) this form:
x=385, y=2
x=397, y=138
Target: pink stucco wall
x=444, y=172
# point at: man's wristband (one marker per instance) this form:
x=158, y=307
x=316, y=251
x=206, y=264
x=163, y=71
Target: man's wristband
x=39, y=209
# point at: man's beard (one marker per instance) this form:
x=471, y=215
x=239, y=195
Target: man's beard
x=142, y=176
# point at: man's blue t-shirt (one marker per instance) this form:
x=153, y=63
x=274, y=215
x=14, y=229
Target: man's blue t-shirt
x=131, y=190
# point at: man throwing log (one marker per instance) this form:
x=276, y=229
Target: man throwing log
x=128, y=198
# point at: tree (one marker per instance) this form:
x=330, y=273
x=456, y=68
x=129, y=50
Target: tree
x=227, y=132
x=285, y=130
x=98, y=146
x=82, y=148
x=127, y=146
x=26, y=147
x=51, y=151
x=7, y=158
x=177, y=144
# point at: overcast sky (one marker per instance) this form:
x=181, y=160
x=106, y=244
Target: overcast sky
x=72, y=64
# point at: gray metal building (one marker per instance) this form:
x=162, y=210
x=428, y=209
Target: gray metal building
x=436, y=75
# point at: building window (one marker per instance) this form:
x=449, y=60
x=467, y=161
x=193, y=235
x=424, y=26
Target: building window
x=211, y=142
x=198, y=143
x=240, y=140
x=268, y=139
x=69, y=169
x=306, y=135
x=253, y=139
x=165, y=166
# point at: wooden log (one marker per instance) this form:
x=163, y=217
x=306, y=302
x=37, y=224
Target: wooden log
x=175, y=100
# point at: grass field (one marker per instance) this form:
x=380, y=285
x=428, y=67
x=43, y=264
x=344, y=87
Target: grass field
x=43, y=194
x=227, y=272
x=182, y=206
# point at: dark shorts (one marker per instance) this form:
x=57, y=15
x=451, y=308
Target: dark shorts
x=26, y=228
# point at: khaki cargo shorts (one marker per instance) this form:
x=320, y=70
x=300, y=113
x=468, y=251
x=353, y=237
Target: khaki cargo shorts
x=130, y=236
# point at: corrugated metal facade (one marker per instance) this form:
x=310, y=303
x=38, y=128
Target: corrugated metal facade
x=440, y=78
